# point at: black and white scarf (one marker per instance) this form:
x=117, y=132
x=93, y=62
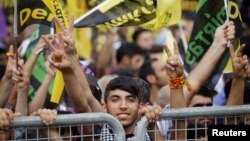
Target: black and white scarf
x=107, y=134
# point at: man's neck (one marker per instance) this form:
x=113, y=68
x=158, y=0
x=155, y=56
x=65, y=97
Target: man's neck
x=129, y=129
x=154, y=91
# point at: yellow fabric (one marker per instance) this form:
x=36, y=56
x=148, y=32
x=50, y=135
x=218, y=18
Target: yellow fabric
x=82, y=36
x=107, y=5
x=168, y=12
x=56, y=8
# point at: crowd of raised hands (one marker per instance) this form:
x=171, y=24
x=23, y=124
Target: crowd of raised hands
x=60, y=55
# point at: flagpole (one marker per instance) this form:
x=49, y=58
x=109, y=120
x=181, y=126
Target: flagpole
x=15, y=33
x=227, y=18
x=183, y=37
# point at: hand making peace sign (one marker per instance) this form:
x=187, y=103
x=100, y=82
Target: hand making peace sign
x=174, y=64
x=239, y=62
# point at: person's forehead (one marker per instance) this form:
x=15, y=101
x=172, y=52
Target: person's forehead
x=138, y=56
x=157, y=64
x=119, y=92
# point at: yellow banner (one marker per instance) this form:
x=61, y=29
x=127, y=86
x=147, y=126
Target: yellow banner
x=168, y=12
x=146, y=13
x=82, y=36
x=56, y=8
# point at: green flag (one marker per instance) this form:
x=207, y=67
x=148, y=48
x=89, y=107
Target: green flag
x=39, y=71
x=210, y=14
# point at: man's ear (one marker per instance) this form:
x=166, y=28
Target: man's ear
x=126, y=59
x=141, y=109
x=104, y=106
x=151, y=79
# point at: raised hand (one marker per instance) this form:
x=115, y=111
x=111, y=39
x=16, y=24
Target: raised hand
x=224, y=33
x=50, y=71
x=58, y=58
x=42, y=45
x=174, y=64
x=67, y=35
x=20, y=78
x=11, y=61
x=240, y=62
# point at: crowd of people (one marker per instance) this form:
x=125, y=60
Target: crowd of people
x=128, y=83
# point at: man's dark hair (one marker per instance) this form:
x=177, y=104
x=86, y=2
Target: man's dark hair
x=144, y=94
x=145, y=70
x=125, y=49
x=124, y=83
x=140, y=51
x=156, y=49
x=206, y=92
x=137, y=33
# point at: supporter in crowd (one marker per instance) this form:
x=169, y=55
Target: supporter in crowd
x=121, y=90
x=237, y=89
x=154, y=72
x=202, y=98
x=129, y=57
x=143, y=38
x=204, y=68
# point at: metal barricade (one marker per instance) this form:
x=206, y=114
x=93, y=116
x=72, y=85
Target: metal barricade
x=33, y=126
x=219, y=115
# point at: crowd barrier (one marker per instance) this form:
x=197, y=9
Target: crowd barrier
x=67, y=125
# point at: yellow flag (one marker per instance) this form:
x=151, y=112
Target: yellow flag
x=146, y=13
x=168, y=12
x=56, y=9
x=82, y=36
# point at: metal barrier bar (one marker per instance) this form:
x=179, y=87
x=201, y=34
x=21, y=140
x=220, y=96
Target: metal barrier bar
x=194, y=112
x=69, y=119
x=205, y=111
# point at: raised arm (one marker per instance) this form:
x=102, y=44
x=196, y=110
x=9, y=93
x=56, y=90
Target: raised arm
x=177, y=80
x=40, y=96
x=6, y=83
x=240, y=64
x=61, y=61
x=21, y=81
x=67, y=37
x=105, y=54
x=207, y=64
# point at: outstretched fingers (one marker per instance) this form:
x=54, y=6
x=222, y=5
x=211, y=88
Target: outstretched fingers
x=61, y=27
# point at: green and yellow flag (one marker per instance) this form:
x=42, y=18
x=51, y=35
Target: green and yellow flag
x=210, y=14
x=42, y=12
x=39, y=12
x=146, y=13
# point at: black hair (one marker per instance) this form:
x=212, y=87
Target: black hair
x=125, y=49
x=246, y=40
x=140, y=51
x=137, y=33
x=206, y=91
x=144, y=94
x=156, y=49
x=124, y=72
x=124, y=83
x=145, y=70
x=129, y=49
